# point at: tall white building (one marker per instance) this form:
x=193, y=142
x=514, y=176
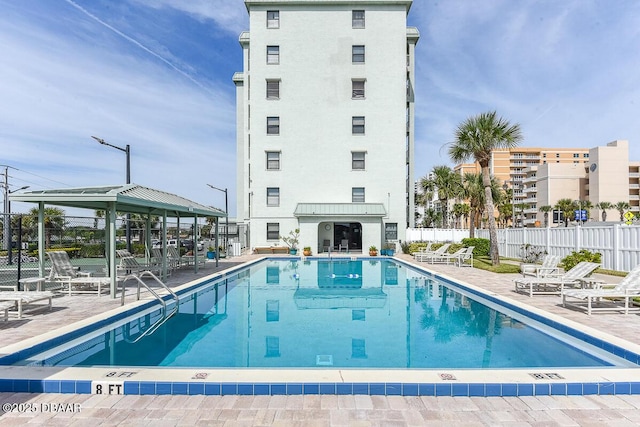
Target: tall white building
x=325, y=122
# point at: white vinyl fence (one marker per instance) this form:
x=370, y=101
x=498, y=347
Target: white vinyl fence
x=619, y=244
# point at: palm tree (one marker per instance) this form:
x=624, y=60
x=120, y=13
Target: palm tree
x=460, y=210
x=567, y=207
x=604, y=206
x=622, y=207
x=474, y=192
x=519, y=209
x=431, y=218
x=54, y=222
x=546, y=209
x=476, y=138
x=448, y=185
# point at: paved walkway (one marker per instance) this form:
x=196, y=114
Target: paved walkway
x=316, y=410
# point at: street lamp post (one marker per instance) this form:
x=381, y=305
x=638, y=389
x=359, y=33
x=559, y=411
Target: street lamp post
x=7, y=214
x=127, y=151
x=226, y=211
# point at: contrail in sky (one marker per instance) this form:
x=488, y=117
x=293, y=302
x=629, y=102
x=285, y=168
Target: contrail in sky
x=140, y=45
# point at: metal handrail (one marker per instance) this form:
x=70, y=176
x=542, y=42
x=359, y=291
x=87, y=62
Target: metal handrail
x=165, y=316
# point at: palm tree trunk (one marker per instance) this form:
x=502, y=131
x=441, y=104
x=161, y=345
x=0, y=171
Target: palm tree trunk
x=493, y=232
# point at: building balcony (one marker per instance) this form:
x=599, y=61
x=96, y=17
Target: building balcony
x=530, y=200
x=531, y=211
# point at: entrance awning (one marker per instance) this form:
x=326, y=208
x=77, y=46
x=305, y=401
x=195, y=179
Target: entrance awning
x=340, y=209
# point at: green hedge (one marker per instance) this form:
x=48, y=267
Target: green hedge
x=574, y=258
x=481, y=246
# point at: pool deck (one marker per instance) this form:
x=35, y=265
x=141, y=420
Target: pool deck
x=321, y=410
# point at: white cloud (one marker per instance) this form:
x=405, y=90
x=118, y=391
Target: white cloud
x=58, y=90
x=230, y=15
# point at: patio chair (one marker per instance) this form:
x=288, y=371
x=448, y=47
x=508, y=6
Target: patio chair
x=606, y=299
x=425, y=256
x=422, y=250
x=446, y=257
x=5, y=306
x=465, y=259
x=71, y=279
x=554, y=284
x=549, y=266
x=20, y=299
x=176, y=260
x=344, y=245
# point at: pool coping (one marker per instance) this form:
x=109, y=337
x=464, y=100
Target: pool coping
x=405, y=382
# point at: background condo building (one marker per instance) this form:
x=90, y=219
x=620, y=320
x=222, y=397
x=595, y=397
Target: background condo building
x=542, y=176
x=325, y=122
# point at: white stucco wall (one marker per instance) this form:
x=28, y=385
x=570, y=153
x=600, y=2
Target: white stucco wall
x=316, y=109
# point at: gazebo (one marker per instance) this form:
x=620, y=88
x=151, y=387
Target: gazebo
x=127, y=198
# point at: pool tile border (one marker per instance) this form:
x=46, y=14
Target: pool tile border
x=330, y=388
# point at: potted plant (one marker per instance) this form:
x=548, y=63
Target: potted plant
x=389, y=249
x=211, y=252
x=306, y=251
x=223, y=254
x=292, y=241
x=373, y=251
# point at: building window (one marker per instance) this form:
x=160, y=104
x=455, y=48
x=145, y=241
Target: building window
x=273, y=54
x=357, y=89
x=357, y=195
x=357, y=19
x=544, y=155
x=357, y=53
x=273, y=89
x=391, y=231
x=357, y=160
x=586, y=155
x=273, y=125
x=273, y=19
x=273, y=196
x=273, y=160
x=557, y=155
x=357, y=125
x=273, y=231
x=576, y=155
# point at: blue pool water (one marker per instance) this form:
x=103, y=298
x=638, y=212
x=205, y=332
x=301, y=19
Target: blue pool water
x=322, y=313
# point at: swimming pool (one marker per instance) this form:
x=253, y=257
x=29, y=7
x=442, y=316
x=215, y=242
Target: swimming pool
x=366, y=322
x=327, y=313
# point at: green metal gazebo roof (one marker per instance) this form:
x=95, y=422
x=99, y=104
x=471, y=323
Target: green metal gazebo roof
x=130, y=198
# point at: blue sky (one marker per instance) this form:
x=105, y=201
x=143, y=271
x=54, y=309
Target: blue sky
x=156, y=74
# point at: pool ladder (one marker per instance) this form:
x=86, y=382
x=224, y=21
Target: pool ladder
x=165, y=316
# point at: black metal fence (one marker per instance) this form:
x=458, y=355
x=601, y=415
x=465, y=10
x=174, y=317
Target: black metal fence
x=83, y=238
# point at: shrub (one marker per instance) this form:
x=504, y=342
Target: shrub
x=574, y=258
x=481, y=246
x=92, y=251
x=531, y=254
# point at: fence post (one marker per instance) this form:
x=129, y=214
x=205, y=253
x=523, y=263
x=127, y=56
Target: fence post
x=616, y=247
x=547, y=240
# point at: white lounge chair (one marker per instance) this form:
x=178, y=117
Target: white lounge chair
x=74, y=281
x=20, y=299
x=549, y=266
x=426, y=256
x=5, y=306
x=422, y=250
x=446, y=258
x=554, y=284
x=465, y=259
x=606, y=299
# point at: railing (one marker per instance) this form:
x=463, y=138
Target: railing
x=138, y=277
